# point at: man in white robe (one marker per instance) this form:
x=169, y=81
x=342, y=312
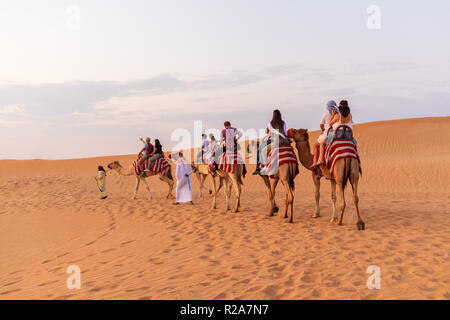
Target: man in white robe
x=184, y=184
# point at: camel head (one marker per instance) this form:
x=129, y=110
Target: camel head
x=114, y=165
x=299, y=135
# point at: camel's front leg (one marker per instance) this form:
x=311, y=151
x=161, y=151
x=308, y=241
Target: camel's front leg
x=333, y=200
x=148, y=189
x=220, y=184
x=316, y=180
x=201, y=180
x=138, y=181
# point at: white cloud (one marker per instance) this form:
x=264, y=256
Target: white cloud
x=12, y=111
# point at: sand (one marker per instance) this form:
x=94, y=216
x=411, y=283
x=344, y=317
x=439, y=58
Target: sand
x=51, y=217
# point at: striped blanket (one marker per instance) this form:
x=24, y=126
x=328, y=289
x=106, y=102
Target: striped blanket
x=228, y=161
x=340, y=149
x=159, y=165
x=278, y=157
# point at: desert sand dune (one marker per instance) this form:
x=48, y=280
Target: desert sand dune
x=51, y=217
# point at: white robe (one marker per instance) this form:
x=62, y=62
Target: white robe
x=184, y=185
x=101, y=184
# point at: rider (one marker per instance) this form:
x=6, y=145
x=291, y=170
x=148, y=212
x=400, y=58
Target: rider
x=145, y=152
x=204, y=149
x=278, y=133
x=212, y=147
x=228, y=139
x=341, y=118
x=324, y=126
x=156, y=154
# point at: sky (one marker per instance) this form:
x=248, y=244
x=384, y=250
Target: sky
x=86, y=78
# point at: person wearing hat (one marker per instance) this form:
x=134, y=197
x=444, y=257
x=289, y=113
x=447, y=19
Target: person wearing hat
x=331, y=110
x=101, y=182
x=145, y=152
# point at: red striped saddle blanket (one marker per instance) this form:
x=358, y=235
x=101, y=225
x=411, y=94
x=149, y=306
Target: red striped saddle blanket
x=159, y=165
x=228, y=161
x=340, y=149
x=278, y=157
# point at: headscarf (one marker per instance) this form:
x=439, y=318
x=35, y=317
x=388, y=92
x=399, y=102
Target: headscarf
x=332, y=105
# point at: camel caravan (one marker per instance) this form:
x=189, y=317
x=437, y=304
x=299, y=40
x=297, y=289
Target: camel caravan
x=334, y=157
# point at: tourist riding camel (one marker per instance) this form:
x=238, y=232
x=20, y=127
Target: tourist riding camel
x=281, y=165
x=201, y=154
x=341, y=165
x=325, y=127
x=142, y=168
x=146, y=151
x=228, y=165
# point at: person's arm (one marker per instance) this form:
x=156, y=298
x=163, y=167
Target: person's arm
x=222, y=137
x=322, y=127
x=334, y=120
x=238, y=134
x=142, y=150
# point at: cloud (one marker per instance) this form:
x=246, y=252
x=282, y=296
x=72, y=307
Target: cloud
x=68, y=97
x=12, y=111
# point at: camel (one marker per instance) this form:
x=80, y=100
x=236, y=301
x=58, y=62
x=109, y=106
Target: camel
x=202, y=172
x=130, y=172
x=286, y=173
x=345, y=169
x=231, y=180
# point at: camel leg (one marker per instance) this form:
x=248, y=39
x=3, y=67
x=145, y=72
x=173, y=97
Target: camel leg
x=237, y=189
x=354, y=178
x=138, y=181
x=148, y=188
x=274, y=187
x=270, y=195
x=213, y=184
x=220, y=184
x=170, y=183
x=227, y=192
x=342, y=198
x=333, y=200
x=339, y=173
x=199, y=178
x=202, y=179
x=316, y=180
x=289, y=201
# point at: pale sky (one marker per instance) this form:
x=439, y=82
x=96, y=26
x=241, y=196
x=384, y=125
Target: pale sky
x=145, y=68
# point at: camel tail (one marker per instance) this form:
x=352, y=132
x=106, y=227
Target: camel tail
x=347, y=167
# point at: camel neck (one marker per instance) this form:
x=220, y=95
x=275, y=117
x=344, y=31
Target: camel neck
x=125, y=172
x=304, y=154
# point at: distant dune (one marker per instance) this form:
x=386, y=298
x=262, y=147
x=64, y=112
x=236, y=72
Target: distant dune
x=51, y=218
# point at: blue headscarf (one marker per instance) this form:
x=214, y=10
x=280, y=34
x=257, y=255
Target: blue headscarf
x=332, y=105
